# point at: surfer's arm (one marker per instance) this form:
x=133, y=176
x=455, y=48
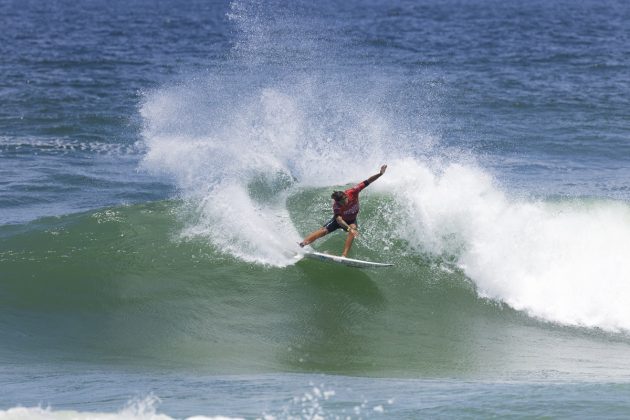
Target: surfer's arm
x=350, y=229
x=375, y=177
x=343, y=223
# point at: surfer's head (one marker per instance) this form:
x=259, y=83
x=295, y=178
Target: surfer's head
x=338, y=196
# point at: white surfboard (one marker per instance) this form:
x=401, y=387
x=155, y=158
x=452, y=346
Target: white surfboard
x=351, y=262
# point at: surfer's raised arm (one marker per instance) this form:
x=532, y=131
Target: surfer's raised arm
x=377, y=176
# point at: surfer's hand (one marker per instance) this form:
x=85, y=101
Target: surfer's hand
x=383, y=168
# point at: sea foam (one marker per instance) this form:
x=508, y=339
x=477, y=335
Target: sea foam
x=562, y=261
x=139, y=409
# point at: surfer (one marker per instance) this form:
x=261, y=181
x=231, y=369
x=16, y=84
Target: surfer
x=345, y=211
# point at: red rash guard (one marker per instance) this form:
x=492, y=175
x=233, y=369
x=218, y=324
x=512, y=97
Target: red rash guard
x=350, y=211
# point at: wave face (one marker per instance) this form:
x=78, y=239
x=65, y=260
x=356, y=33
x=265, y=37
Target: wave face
x=131, y=284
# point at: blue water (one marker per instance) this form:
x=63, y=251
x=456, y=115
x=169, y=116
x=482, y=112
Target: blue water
x=158, y=159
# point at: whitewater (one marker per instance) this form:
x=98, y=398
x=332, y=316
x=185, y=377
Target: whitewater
x=559, y=259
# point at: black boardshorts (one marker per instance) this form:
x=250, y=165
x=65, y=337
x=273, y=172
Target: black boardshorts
x=332, y=225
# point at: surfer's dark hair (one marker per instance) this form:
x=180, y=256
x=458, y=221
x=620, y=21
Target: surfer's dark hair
x=337, y=195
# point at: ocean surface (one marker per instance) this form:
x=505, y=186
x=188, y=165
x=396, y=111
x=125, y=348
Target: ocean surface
x=159, y=161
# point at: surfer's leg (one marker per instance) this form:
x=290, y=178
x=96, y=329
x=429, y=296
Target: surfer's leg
x=349, y=240
x=314, y=236
x=330, y=226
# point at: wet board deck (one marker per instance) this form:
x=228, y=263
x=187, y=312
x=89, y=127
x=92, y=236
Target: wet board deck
x=350, y=262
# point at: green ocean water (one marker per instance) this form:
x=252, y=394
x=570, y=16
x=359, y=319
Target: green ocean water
x=121, y=286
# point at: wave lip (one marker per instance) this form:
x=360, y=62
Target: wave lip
x=560, y=261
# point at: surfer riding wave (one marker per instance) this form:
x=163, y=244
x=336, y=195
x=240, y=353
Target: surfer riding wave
x=345, y=212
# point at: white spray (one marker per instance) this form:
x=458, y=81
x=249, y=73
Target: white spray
x=223, y=136
x=564, y=261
